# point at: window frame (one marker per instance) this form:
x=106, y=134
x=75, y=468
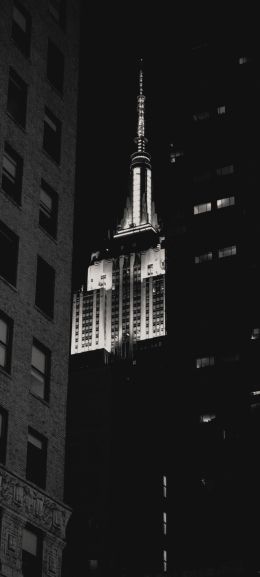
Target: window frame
x=32, y=564
x=45, y=375
x=36, y=463
x=16, y=83
x=12, y=189
x=53, y=149
x=9, y=275
x=55, y=57
x=49, y=226
x=24, y=42
x=45, y=306
x=9, y=341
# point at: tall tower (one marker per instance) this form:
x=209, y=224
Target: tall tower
x=123, y=300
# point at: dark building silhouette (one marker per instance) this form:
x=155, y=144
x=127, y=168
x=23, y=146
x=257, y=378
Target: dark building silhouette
x=38, y=118
x=162, y=466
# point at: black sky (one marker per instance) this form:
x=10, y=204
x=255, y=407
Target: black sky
x=112, y=42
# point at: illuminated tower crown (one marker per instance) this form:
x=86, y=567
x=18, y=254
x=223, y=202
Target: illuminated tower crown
x=139, y=214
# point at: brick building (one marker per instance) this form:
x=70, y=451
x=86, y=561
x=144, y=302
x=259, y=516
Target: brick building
x=38, y=117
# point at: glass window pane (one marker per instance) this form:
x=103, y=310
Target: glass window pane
x=34, y=441
x=19, y=18
x=38, y=359
x=30, y=542
x=3, y=331
x=9, y=165
x=2, y=355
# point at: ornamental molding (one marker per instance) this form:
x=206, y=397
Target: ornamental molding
x=33, y=505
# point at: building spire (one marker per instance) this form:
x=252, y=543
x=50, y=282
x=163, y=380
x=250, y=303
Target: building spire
x=140, y=139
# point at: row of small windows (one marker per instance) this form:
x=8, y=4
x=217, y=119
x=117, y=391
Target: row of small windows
x=221, y=171
x=207, y=206
x=45, y=274
x=17, y=106
x=222, y=253
x=205, y=114
x=12, y=176
x=210, y=361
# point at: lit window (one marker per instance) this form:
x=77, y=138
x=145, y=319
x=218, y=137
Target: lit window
x=12, y=173
x=164, y=561
x=201, y=116
x=207, y=418
x=31, y=553
x=21, y=28
x=255, y=333
x=224, y=170
x=6, y=330
x=36, y=458
x=204, y=362
x=227, y=251
x=243, y=60
x=203, y=257
x=199, y=208
x=55, y=66
x=52, y=135
x=221, y=109
x=48, y=208
x=165, y=523
x=228, y=201
x=45, y=282
x=9, y=248
x=174, y=156
x=40, y=368
x=17, y=97
x=3, y=434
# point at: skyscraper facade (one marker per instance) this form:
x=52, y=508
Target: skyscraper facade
x=123, y=299
x=38, y=118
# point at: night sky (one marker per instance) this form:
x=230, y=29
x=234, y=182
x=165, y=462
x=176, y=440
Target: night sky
x=111, y=46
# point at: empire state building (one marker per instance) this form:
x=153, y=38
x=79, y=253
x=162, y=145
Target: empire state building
x=123, y=299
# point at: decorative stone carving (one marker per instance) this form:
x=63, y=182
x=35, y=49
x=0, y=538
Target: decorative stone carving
x=34, y=505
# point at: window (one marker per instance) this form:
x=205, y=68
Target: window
x=199, y=208
x=45, y=282
x=201, y=116
x=227, y=251
x=204, y=362
x=203, y=257
x=52, y=135
x=48, y=208
x=6, y=332
x=40, y=370
x=221, y=109
x=21, y=28
x=17, y=97
x=9, y=248
x=3, y=434
x=165, y=561
x=55, y=66
x=224, y=170
x=243, y=60
x=57, y=10
x=255, y=333
x=224, y=202
x=36, y=458
x=207, y=418
x=12, y=173
x=164, y=523
x=31, y=553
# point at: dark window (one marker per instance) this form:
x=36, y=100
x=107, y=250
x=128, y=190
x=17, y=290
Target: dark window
x=21, y=29
x=36, y=458
x=45, y=287
x=57, y=10
x=9, y=253
x=40, y=370
x=6, y=333
x=17, y=97
x=12, y=173
x=52, y=135
x=31, y=552
x=48, y=208
x=3, y=434
x=55, y=66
